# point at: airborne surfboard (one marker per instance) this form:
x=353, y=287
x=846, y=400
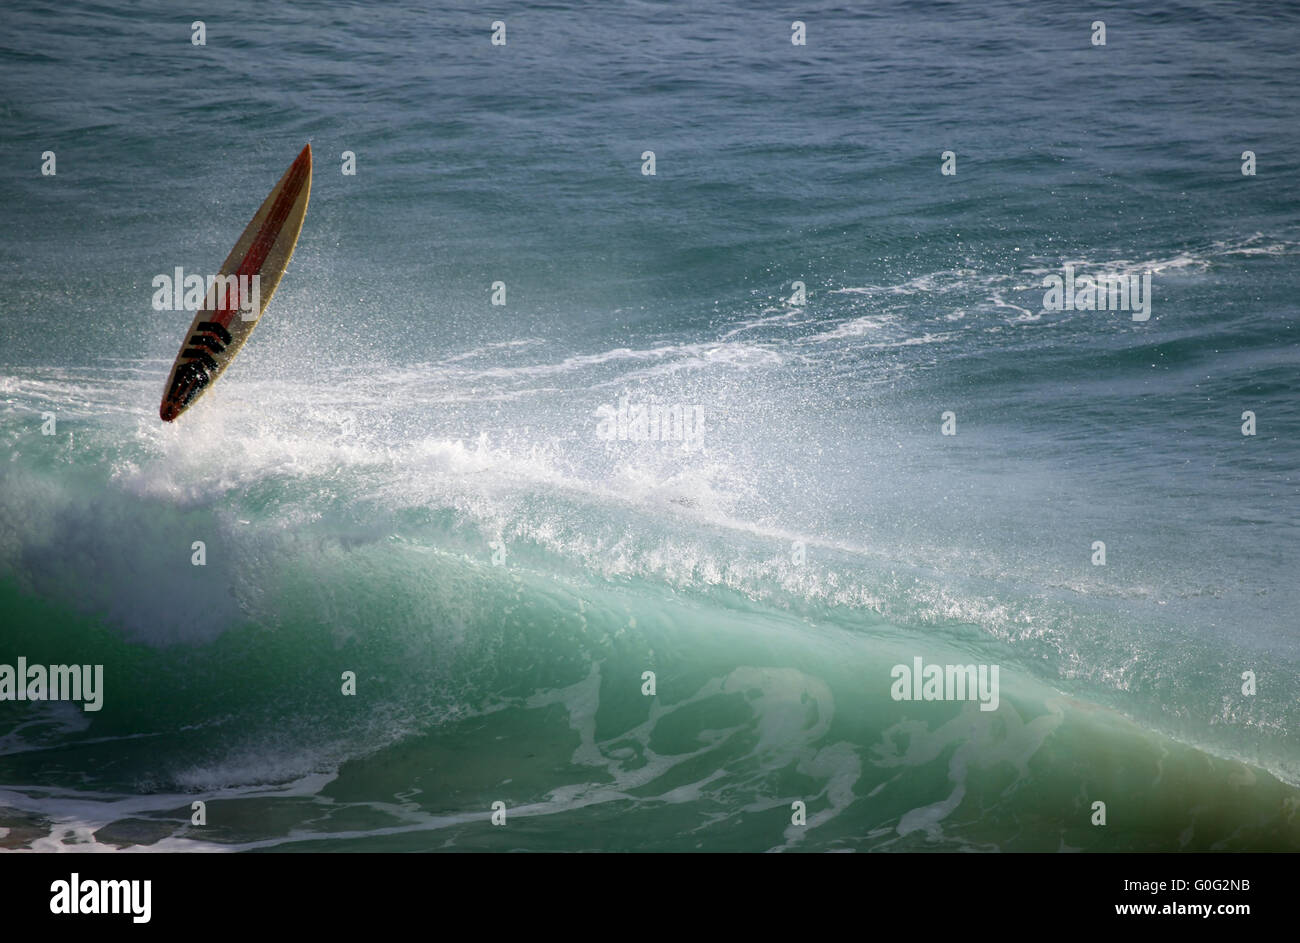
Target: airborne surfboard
x=237, y=297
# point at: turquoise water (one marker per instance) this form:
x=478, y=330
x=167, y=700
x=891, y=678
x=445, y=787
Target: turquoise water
x=399, y=479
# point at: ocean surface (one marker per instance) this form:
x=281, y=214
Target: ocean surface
x=399, y=479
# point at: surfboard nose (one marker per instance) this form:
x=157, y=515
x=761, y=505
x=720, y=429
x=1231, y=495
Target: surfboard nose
x=168, y=411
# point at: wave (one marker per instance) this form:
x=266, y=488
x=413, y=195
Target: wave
x=500, y=578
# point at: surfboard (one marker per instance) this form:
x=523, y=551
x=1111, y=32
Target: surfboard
x=238, y=296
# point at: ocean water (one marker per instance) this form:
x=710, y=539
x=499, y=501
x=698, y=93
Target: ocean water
x=399, y=479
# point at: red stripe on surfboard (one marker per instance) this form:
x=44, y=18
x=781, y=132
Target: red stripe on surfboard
x=267, y=233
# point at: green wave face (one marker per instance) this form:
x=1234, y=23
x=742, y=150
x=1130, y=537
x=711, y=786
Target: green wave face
x=499, y=639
